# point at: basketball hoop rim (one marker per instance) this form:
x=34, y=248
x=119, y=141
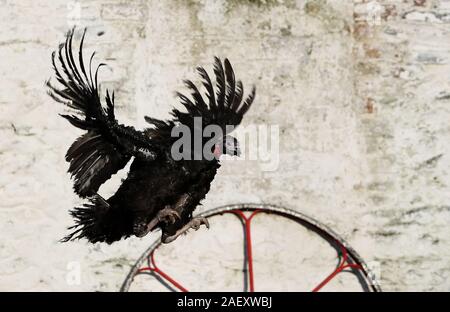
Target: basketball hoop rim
x=372, y=282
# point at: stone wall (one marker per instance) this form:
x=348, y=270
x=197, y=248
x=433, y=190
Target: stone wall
x=360, y=91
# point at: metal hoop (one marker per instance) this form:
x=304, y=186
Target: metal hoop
x=351, y=259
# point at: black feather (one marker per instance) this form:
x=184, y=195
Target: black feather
x=231, y=83
x=155, y=180
x=225, y=105
x=220, y=84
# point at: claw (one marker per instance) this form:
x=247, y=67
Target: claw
x=197, y=222
x=193, y=224
x=206, y=223
x=166, y=215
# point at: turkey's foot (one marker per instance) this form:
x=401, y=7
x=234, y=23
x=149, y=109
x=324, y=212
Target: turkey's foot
x=167, y=215
x=195, y=224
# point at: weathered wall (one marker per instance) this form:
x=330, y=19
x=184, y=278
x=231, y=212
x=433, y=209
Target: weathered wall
x=361, y=99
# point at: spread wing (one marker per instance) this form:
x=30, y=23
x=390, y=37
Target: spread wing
x=222, y=108
x=107, y=146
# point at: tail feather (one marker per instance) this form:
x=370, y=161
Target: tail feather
x=97, y=221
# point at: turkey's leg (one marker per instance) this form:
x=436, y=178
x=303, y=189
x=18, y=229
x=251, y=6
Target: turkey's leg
x=181, y=203
x=195, y=224
x=167, y=215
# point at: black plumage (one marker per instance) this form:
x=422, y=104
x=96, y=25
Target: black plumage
x=159, y=191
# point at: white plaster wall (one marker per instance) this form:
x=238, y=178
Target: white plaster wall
x=363, y=106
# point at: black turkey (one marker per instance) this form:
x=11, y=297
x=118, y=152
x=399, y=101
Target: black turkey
x=159, y=191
